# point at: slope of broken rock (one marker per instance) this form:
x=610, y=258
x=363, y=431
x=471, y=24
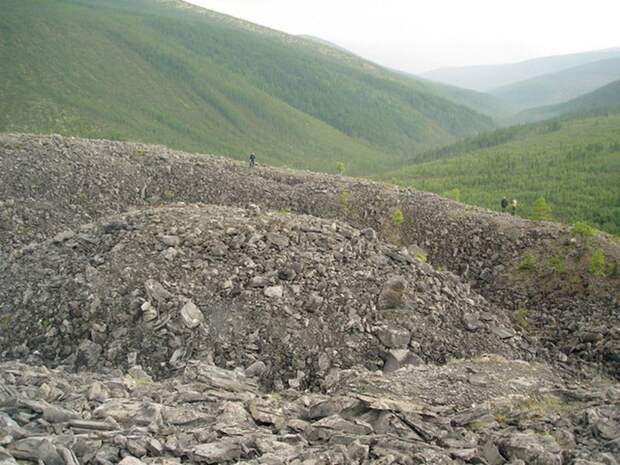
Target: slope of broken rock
x=291, y=296
x=49, y=184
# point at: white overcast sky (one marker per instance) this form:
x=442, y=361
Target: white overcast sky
x=419, y=35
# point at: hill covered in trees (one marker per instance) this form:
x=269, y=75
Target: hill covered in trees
x=572, y=164
x=604, y=99
x=171, y=73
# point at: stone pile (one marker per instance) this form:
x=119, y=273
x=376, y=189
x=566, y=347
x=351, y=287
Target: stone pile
x=49, y=184
x=163, y=308
x=290, y=296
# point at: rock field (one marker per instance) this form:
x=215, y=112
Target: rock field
x=167, y=308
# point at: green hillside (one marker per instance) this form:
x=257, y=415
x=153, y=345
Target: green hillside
x=486, y=104
x=562, y=86
x=573, y=164
x=166, y=72
x=606, y=98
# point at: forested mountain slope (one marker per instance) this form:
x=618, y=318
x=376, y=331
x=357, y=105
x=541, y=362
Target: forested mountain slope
x=562, y=86
x=168, y=72
x=604, y=99
x=574, y=164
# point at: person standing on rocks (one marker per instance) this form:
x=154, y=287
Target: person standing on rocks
x=504, y=204
x=252, y=160
x=513, y=207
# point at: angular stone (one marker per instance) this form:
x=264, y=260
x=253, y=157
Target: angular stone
x=335, y=424
x=192, y=316
x=10, y=427
x=184, y=416
x=130, y=412
x=391, y=295
x=55, y=414
x=393, y=338
x=398, y=358
x=464, y=454
x=6, y=458
x=171, y=241
x=217, y=378
x=155, y=291
x=491, y=454
x=533, y=449
x=275, y=292
x=266, y=413
x=217, y=452
x=154, y=447
x=94, y=425
x=503, y=332
x=258, y=281
x=131, y=461
x=36, y=449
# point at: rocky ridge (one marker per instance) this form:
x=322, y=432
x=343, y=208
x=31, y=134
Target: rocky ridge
x=164, y=307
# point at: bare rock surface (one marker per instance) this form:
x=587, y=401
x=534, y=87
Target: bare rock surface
x=207, y=414
x=116, y=293
x=50, y=186
x=163, y=308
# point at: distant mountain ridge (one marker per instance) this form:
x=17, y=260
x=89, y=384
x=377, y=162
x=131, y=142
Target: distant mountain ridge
x=604, y=99
x=561, y=86
x=488, y=77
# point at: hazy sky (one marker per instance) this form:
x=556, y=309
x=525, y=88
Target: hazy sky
x=419, y=35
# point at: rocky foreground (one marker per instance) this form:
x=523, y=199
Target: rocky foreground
x=490, y=410
x=162, y=307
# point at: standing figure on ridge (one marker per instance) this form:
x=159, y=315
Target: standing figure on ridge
x=504, y=204
x=513, y=207
x=252, y=160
